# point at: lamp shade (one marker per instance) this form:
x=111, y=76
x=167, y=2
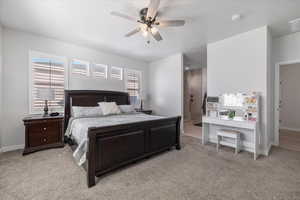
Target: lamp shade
x=46, y=94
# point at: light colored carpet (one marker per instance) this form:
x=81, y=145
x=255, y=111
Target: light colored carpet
x=196, y=172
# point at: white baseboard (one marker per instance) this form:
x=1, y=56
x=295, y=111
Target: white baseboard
x=11, y=148
x=290, y=129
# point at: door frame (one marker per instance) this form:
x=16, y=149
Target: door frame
x=277, y=97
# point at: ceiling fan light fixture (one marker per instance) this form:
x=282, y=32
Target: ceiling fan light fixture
x=148, y=20
x=154, y=30
x=145, y=33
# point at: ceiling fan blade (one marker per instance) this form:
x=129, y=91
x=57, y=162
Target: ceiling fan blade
x=133, y=32
x=166, y=23
x=156, y=35
x=123, y=16
x=153, y=8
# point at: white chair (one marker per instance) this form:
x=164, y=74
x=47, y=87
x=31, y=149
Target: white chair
x=232, y=134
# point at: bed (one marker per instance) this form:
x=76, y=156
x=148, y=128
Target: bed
x=110, y=146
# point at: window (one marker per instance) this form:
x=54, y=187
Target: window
x=133, y=85
x=47, y=72
x=80, y=67
x=99, y=71
x=116, y=73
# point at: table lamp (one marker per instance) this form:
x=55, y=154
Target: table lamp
x=142, y=97
x=46, y=94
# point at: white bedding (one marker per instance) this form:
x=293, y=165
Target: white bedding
x=78, y=127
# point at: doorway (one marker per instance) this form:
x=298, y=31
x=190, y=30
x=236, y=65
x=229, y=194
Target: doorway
x=194, y=90
x=287, y=113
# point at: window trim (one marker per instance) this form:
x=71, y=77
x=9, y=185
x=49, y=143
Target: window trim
x=35, y=54
x=121, y=69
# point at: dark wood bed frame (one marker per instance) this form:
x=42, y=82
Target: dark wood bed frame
x=112, y=147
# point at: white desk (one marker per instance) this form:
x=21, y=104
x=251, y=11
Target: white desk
x=245, y=127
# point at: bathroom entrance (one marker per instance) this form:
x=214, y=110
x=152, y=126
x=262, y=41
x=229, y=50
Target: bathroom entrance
x=194, y=93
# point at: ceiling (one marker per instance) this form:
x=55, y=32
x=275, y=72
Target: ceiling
x=89, y=23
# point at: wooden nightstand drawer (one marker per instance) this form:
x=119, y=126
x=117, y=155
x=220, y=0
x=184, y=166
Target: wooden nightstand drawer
x=43, y=133
x=44, y=128
x=38, y=140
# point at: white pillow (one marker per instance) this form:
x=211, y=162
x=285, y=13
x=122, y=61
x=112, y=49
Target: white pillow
x=127, y=109
x=78, y=111
x=109, y=108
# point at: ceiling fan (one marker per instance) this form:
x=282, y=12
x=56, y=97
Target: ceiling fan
x=148, y=22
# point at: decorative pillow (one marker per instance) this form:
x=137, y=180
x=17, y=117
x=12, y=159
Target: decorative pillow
x=78, y=111
x=109, y=108
x=127, y=108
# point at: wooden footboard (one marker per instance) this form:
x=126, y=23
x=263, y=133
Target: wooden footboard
x=112, y=147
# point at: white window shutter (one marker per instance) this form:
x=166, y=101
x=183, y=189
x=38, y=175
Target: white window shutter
x=133, y=84
x=47, y=73
x=80, y=67
x=99, y=71
x=116, y=73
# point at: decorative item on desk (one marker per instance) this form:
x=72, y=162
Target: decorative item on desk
x=231, y=114
x=245, y=116
x=46, y=94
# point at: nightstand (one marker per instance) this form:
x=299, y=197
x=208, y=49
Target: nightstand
x=148, y=112
x=43, y=132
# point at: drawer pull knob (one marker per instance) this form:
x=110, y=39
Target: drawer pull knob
x=45, y=129
x=44, y=140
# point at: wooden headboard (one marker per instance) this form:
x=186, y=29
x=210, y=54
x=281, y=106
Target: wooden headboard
x=91, y=98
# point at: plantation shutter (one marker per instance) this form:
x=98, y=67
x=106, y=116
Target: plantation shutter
x=116, y=73
x=47, y=73
x=99, y=71
x=133, y=85
x=80, y=67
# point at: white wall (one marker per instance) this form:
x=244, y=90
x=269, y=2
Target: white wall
x=286, y=48
x=1, y=79
x=166, y=88
x=240, y=64
x=15, y=67
x=290, y=97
